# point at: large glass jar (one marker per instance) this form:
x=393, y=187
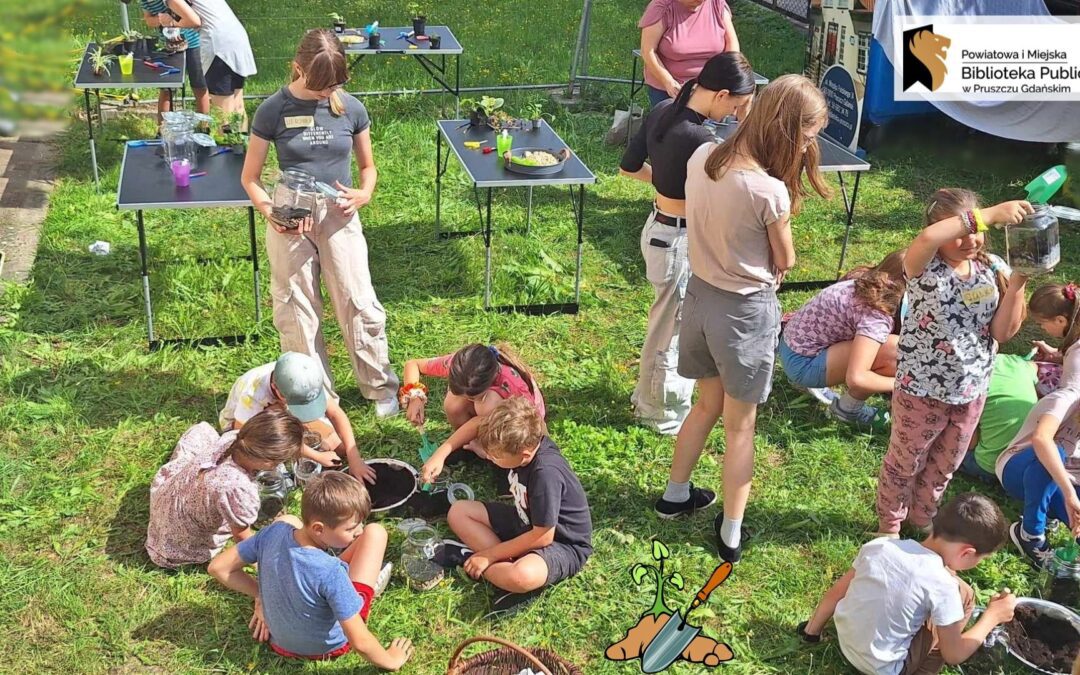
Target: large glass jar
x=273, y=491
x=294, y=197
x=1033, y=246
x=179, y=142
x=417, y=557
x=1062, y=582
x=305, y=469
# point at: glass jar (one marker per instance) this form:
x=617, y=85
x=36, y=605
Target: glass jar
x=305, y=469
x=417, y=558
x=1062, y=582
x=273, y=492
x=294, y=196
x=313, y=439
x=177, y=137
x=1033, y=246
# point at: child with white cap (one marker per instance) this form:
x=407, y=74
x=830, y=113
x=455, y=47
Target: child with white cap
x=295, y=381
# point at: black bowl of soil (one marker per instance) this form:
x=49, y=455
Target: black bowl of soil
x=395, y=483
x=1043, y=635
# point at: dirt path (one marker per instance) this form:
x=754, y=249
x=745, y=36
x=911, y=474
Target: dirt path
x=26, y=179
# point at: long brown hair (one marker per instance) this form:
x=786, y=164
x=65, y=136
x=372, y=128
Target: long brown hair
x=881, y=286
x=1052, y=300
x=949, y=202
x=772, y=136
x=274, y=435
x=323, y=61
x=474, y=368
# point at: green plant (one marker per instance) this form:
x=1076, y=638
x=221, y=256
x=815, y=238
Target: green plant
x=490, y=105
x=336, y=18
x=100, y=61
x=532, y=111
x=639, y=571
x=132, y=35
x=415, y=9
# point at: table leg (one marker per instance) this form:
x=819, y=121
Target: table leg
x=90, y=129
x=172, y=102
x=528, y=212
x=100, y=117
x=849, y=207
x=487, y=253
x=630, y=104
x=254, y=262
x=457, y=86
x=145, y=278
x=580, y=216
x=438, y=183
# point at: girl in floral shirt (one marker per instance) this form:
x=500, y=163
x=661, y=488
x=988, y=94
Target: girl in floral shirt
x=207, y=491
x=957, y=314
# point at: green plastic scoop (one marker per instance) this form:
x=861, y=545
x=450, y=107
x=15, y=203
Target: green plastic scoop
x=1043, y=188
x=427, y=449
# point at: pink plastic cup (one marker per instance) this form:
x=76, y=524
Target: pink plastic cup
x=181, y=171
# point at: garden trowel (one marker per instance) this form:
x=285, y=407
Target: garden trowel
x=676, y=635
x=427, y=449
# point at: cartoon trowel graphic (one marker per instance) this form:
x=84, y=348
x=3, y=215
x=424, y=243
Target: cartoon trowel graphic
x=676, y=635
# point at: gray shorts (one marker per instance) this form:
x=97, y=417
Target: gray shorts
x=563, y=561
x=732, y=336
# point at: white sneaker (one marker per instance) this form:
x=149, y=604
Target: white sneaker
x=383, y=580
x=388, y=407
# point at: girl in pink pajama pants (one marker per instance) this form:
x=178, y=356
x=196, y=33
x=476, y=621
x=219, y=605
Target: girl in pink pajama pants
x=960, y=308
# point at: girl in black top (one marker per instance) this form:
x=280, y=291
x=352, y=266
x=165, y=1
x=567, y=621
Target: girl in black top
x=671, y=133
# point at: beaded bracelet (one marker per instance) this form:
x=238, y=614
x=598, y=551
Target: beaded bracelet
x=968, y=219
x=410, y=391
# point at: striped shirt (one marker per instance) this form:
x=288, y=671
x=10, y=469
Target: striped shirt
x=159, y=7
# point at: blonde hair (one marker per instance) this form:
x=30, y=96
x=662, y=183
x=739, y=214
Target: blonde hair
x=333, y=497
x=772, y=136
x=274, y=435
x=513, y=427
x=323, y=61
x=1051, y=300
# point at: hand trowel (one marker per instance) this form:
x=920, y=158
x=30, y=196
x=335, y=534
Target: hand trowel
x=676, y=636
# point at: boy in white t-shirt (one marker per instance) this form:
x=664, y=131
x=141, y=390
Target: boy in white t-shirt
x=901, y=609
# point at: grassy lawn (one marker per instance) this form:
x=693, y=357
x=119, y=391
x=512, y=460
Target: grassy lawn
x=89, y=415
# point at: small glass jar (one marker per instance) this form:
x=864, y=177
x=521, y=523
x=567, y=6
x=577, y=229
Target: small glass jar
x=305, y=469
x=1062, y=579
x=294, y=197
x=417, y=558
x=313, y=439
x=1033, y=246
x=273, y=491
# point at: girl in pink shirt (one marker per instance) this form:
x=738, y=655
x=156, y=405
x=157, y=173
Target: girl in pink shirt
x=678, y=37
x=480, y=377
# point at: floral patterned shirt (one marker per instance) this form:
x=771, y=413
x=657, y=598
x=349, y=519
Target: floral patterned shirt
x=835, y=315
x=194, y=501
x=946, y=351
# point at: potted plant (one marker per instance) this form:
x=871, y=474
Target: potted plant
x=534, y=112
x=474, y=111
x=338, y=21
x=130, y=36
x=419, y=20
x=494, y=117
x=374, y=37
x=230, y=134
x=99, y=62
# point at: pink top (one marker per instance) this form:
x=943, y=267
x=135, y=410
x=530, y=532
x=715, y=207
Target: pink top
x=835, y=315
x=508, y=382
x=690, y=37
x=194, y=500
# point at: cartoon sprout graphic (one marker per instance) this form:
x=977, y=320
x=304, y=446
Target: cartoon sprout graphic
x=638, y=572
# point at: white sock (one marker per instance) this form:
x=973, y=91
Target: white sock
x=849, y=403
x=1030, y=537
x=677, y=492
x=731, y=532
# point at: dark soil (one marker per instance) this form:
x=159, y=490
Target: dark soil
x=1048, y=642
x=270, y=508
x=428, y=505
x=392, y=484
x=290, y=216
x=1064, y=591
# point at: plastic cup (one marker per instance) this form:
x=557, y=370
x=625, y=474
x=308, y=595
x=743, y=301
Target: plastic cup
x=181, y=171
x=503, y=143
x=127, y=63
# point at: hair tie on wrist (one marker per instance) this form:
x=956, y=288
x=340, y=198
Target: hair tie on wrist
x=1069, y=292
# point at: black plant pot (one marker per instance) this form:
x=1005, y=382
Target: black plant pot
x=374, y=40
x=339, y=26
x=419, y=25
x=129, y=47
x=477, y=117
x=436, y=41
x=117, y=49
x=238, y=148
x=142, y=49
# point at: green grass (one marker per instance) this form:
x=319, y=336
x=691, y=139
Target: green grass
x=89, y=414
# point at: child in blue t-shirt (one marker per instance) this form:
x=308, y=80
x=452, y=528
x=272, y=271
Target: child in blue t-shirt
x=309, y=604
x=158, y=14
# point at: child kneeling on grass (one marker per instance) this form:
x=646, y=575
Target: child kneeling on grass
x=901, y=609
x=546, y=535
x=206, y=493
x=309, y=604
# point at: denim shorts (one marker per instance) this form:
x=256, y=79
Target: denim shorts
x=808, y=371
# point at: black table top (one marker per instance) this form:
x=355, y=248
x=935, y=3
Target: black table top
x=146, y=182
x=392, y=43
x=488, y=170
x=142, y=76
x=834, y=157
x=759, y=79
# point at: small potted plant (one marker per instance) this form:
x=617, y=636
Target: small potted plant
x=374, y=38
x=338, y=21
x=419, y=20
x=130, y=37
x=99, y=62
x=533, y=113
x=475, y=112
x=492, y=113
x=230, y=134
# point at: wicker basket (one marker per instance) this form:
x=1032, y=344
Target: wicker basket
x=509, y=659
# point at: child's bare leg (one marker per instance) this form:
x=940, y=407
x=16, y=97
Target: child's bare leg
x=458, y=409
x=202, y=101
x=365, y=554
x=885, y=361
x=162, y=104
x=469, y=521
x=525, y=574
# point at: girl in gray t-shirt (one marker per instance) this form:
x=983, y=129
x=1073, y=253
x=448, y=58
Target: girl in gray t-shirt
x=317, y=127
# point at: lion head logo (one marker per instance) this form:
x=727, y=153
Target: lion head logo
x=924, y=57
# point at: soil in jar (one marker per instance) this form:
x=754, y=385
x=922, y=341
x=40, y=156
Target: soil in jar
x=428, y=504
x=290, y=216
x=1064, y=591
x=423, y=575
x=1046, y=641
x=269, y=508
x=392, y=485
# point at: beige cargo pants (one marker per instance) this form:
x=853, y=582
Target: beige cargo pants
x=336, y=253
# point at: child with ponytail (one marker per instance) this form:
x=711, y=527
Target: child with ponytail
x=206, y=493
x=479, y=378
x=949, y=336
x=1032, y=469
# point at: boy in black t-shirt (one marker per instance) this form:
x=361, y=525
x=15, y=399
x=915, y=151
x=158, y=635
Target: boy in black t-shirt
x=546, y=535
